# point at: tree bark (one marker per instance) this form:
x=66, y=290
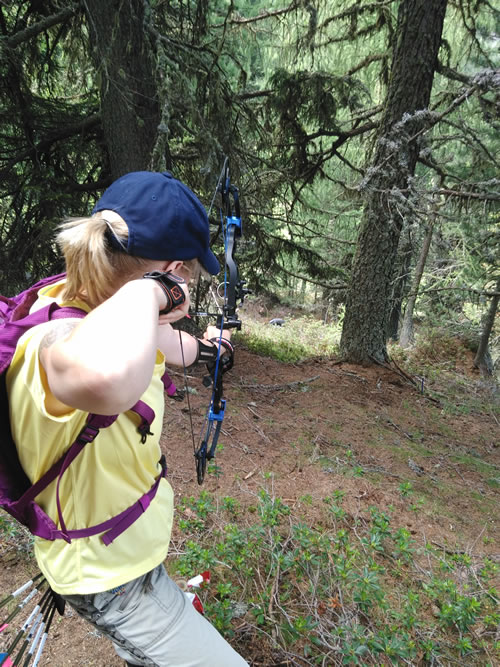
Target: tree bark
x=388, y=181
x=124, y=58
x=482, y=359
x=407, y=336
x=405, y=252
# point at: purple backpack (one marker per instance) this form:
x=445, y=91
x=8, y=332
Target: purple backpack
x=17, y=493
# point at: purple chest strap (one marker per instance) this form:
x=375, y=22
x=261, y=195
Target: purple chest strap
x=168, y=385
x=111, y=528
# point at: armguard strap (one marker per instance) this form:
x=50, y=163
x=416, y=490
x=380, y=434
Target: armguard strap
x=224, y=343
x=206, y=353
x=227, y=355
x=170, y=285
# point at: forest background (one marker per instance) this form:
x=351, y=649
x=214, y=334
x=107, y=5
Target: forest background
x=363, y=137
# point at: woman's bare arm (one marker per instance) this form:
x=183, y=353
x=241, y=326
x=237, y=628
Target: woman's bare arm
x=104, y=362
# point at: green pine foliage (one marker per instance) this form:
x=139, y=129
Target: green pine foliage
x=293, y=95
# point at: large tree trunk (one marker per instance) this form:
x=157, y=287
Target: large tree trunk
x=387, y=183
x=483, y=358
x=129, y=100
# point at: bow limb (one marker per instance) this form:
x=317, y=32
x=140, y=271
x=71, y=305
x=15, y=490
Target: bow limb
x=233, y=231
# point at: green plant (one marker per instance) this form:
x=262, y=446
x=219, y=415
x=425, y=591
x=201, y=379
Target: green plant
x=417, y=505
x=196, y=558
x=405, y=489
x=404, y=544
x=464, y=645
x=305, y=585
x=271, y=510
x=367, y=590
x=302, y=338
x=231, y=505
x=16, y=534
x=334, y=504
x=194, y=512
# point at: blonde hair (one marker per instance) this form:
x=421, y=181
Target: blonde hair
x=94, y=268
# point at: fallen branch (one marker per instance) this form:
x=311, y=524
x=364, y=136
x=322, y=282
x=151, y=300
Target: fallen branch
x=397, y=370
x=278, y=387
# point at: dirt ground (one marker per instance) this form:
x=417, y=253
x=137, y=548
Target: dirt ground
x=302, y=430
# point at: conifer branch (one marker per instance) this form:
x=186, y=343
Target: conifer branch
x=54, y=137
x=462, y=194
x=241, y=20
x=43, y=25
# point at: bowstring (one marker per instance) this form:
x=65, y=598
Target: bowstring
x=186, y=389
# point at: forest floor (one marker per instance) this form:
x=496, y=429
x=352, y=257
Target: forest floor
x=305, y=430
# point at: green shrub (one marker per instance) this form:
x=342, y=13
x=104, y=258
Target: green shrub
x=341, y=592
x=299, y=339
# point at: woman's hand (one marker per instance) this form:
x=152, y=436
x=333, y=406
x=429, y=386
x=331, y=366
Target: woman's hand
x=178, y=312
x=214, y=332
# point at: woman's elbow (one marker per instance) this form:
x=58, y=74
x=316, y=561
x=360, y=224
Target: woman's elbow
x=95, y=391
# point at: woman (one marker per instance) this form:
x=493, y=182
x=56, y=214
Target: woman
x=127, y=266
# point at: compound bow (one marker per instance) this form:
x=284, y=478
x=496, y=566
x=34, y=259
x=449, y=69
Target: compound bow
x=234, y=293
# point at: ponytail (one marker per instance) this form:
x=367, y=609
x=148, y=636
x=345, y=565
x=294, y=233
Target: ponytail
x=94, y=268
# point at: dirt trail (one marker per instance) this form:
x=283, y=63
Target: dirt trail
x=306, y=430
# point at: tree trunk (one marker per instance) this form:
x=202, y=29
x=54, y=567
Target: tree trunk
x=399, y=290
x=407, y=336
x=387, y=182
x=482, y=359
x=124, y=59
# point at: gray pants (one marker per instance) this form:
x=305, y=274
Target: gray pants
x=151, y=622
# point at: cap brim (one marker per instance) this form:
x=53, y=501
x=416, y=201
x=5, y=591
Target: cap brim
x=210, y=262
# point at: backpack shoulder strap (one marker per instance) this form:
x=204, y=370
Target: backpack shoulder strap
x=17, y=307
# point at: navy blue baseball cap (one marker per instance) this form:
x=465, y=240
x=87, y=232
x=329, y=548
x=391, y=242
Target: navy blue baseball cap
x=165, y=219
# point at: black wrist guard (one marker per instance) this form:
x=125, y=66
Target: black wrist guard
x=206, y=353
x=224, y=343
x=227, y=356
x=170, y=286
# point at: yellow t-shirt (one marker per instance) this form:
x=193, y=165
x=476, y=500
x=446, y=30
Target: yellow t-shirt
x=108, y=476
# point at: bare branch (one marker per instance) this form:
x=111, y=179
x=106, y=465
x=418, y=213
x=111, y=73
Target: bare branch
x=46, y=23
x=341, y=136
x=452, y=74
x=312, y=281
x=469, y=195
x=240, y=20
x=459, y=289
x=366, y=61
x=254, y=94
x=44, y=144
x=356, y=8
